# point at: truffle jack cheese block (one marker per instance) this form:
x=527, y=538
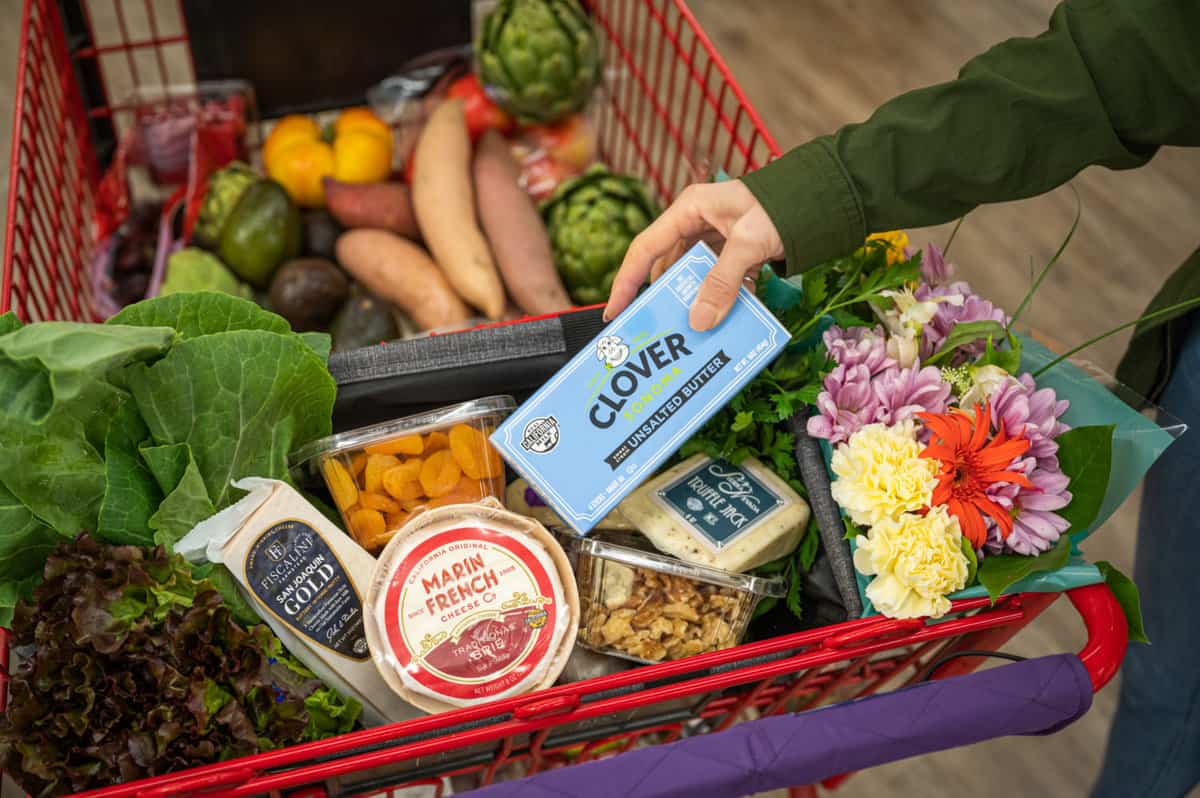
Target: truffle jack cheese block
x=713, y=513
x=308, y=580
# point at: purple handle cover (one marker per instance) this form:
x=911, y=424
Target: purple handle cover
x=1037, y=696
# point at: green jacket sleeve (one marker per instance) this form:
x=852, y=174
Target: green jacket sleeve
x=1108, y=83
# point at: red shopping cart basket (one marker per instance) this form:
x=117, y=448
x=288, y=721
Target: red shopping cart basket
x=672, y=109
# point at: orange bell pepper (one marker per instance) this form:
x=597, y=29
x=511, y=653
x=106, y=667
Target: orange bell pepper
x=295, y=155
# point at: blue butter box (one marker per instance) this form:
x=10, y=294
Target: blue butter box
x=603, y=424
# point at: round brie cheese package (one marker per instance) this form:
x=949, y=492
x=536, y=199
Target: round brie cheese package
x=471, y=603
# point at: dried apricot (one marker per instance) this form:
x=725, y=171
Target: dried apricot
x=474, y=454
x=397, y=520
x=413, y=504
x=401, y=486
x=357, y=463
x=408, y=470
x=409, y=444
x=377, y=501
x=439, y=474
x=377, y=465
x=375, y=543
x=436, y=441
x=466, y=491
x=341, y=484
x=367, y=524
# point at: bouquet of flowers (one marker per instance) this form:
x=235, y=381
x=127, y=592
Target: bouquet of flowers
x=952, y=463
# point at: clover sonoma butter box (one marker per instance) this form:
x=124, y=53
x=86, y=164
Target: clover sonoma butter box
x=627, y=401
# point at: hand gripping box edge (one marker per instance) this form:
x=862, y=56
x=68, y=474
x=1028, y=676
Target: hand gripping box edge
x=562, y=453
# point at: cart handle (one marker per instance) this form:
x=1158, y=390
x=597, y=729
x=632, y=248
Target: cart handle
x=1036, y=696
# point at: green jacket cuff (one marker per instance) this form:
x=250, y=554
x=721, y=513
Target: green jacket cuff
x=812, y=202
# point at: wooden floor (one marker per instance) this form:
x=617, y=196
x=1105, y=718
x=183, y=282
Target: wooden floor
x=810, y=66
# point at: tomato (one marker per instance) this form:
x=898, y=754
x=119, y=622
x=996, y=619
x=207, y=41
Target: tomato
x=482, y=114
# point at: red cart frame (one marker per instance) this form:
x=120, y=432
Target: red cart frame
x=674, y=104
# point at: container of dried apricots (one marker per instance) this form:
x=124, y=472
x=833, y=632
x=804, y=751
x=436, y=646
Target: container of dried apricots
x=380, y=476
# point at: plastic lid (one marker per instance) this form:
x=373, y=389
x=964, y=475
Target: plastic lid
x=601, y=544
x=442, y=417
x=471, y=603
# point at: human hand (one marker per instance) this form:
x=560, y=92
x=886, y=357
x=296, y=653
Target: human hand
x=728, y=209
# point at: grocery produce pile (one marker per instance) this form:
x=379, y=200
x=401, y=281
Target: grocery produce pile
x=500, y=209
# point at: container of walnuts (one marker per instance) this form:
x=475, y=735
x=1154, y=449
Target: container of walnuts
x=648, y=607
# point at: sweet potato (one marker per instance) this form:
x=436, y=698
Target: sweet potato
x=402, y=273
x=515, y=230
x=444, y=201
x=382, y=206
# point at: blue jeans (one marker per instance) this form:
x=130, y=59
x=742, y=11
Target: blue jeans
x=1154, y=745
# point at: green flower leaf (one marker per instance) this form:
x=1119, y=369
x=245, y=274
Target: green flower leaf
x=964, y=333
x=999, y=572
x=972, y=560
x=742, y=421
x=1128, y=597
x=1007, y=359
x=1085, y=455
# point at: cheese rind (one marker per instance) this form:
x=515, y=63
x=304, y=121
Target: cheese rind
x=713, y=513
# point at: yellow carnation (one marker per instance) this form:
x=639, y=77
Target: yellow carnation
x=896, y=240
x=916, y=561
x=881, y=474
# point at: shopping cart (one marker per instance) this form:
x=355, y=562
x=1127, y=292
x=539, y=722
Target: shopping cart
x=673, y=111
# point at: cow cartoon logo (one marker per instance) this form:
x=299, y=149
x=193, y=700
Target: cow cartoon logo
x=612, y=351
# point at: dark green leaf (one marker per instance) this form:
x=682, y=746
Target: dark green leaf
x=1007, y=359
x=202, y=313
x=810, y=544
x=131, y=495
x=816, y=288
x=853, y=530
x=1128, y=597
x=269, y=391
x=964, y=333
x=1085, y=455
x=809, y=393
x=795, y=602
x=999, y=572
x=972, y=560
x=186, y=502
x=764, y=606
x=318, y=342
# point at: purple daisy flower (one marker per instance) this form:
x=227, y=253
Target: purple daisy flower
x=859, y=346
x=1025, y=410
x=904, y=393
x=960, y=304
x=1036, y=525
x=846, y=404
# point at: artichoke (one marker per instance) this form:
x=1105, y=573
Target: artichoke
x=591, y=219
x=538, y=59
x=225, y=187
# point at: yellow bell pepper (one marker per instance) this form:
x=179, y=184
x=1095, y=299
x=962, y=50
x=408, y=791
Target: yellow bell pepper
x=298, y=159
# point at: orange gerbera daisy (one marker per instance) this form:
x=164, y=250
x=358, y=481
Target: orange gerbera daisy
x=968, y=464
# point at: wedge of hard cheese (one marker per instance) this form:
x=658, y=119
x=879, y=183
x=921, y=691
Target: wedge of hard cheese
x=713, y=513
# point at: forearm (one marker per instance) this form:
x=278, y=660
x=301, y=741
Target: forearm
x=1106, y=84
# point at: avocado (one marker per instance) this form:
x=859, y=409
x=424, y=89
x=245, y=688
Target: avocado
x=262, y=232
x=308, y=292
x=320, y=233
x=365, y=320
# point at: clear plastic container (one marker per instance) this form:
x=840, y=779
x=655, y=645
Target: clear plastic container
x=380, y=476
x=649, y=607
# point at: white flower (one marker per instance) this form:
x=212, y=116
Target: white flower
x=917, y=561
x=904, y=350
x=881, y=474
x=985, y=381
